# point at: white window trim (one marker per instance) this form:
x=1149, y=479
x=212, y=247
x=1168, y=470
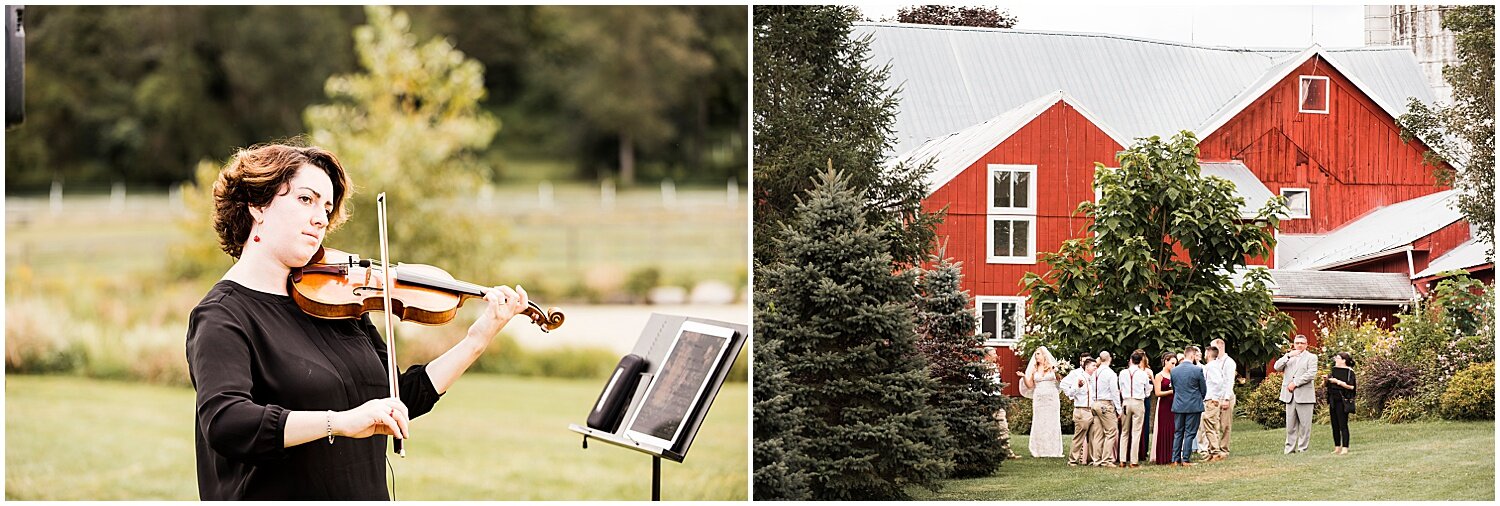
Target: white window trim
x=989, y=240
x=1327, y=100
x=989, y=202
x=1020, y=302
x=1290, y=214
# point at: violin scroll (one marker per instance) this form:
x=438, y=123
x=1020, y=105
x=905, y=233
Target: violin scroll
x=547, y=319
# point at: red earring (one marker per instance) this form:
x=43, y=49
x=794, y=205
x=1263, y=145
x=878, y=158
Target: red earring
x=257, y=238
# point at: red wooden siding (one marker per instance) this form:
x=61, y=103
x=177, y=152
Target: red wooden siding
x=1352, y=159
x=1063, y=145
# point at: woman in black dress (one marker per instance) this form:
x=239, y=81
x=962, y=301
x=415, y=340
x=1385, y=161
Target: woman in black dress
x=1341, y=399
x=290, y=406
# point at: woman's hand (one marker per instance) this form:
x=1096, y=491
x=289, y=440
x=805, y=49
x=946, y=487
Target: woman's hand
x=504, y=304
x=378, y=416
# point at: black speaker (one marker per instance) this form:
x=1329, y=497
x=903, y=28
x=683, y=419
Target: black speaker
x=15, y=65
x=610, y=408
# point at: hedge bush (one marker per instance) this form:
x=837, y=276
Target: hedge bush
x=1471, y=394
x=1019, y=415
x=1263, y=404
x=1382, y=380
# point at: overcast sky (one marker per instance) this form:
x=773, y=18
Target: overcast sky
x=1239, y=26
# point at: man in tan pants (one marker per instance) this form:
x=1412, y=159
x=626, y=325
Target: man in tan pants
x=1079, y=386
x=1107, y=409
x=1226, y=409
x=1135, y=387
x=1216, y=395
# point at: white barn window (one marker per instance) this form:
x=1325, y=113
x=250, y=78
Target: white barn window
x=1010, y=227
x=1298, y=202
x=1312, y=94
x=1004, y=318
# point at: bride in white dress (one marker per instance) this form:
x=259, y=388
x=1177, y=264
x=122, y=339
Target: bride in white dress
x=1039, y=383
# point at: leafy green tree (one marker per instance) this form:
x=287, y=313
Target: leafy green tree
x=140, y=94
x=1157, y=273
x=818, y=103
x=622, y=69
x=964, y=396
x=988, y=17
x=840, y=320
x=409, y=125
x=1463, y=133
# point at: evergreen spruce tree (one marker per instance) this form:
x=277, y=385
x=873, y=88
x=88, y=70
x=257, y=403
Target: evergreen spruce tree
x=840, y=319
x=965, y=397
x=818, y=101
x=781, y=471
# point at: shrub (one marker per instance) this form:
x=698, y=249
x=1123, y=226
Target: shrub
x=1404, y=410
x=1471, y=394
x=1019, y=415
x=1382, y=380
x=1263, y=405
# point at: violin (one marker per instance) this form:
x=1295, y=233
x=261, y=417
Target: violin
x=336, y=284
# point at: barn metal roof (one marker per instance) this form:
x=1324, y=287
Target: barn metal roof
x=1469, y=254
x=1246, y=185
x=1387, y=230
x=951, y=154
x=954, y=77
x=1340, y=287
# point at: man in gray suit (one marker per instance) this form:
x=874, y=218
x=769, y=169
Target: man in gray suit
x=1298, y=368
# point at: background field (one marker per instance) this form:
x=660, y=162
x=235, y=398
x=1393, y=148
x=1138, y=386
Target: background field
x=490, y=438
x=1419, y=461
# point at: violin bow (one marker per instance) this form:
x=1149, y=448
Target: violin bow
x=390, y=334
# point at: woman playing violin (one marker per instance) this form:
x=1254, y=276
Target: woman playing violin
x=289, y=405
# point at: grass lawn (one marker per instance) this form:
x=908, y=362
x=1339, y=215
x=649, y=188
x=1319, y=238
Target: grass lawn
x=490, y=438
x=1418, y=461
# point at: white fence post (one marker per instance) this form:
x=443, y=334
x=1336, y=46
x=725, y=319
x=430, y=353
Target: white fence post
x=607, y=193
x=732, y=193
x=117, y=196
x=544, y=194
x=55, y=200
x=668, y=193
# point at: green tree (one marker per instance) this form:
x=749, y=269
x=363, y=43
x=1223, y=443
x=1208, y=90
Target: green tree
x=841, y=321
x=781, y=467
x=1157, y=273
x=623, y=69
x=818, y=103
x=140, y=94
x=409, y=125
x=964, y=396
x=988, y=17
x=1463, y=134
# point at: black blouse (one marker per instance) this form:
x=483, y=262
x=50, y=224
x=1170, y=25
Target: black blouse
x=254, y=358
x=1345, y=375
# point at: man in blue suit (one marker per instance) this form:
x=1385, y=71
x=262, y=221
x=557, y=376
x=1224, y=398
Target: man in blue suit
x=1187, y=404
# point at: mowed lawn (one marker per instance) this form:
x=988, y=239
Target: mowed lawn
x=1417, y=461
x=490, y=438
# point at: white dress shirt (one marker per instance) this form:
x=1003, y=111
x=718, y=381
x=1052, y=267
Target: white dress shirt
x=1081, y=395
x=1107, y=387
x=1218, y=379
x=1135, y=383
x=1232, y=368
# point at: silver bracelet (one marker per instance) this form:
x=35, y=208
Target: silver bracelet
x=329, y=420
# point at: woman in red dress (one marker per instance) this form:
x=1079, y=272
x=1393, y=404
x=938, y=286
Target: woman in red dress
x=1162, y=450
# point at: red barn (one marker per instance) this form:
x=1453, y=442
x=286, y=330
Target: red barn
x=1013, y=122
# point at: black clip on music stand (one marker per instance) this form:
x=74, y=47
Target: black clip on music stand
x=653, y=344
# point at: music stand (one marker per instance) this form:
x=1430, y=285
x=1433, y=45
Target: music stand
x=652, y=345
